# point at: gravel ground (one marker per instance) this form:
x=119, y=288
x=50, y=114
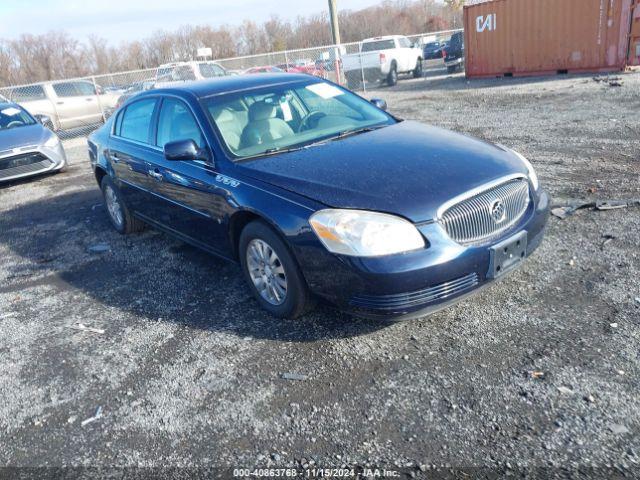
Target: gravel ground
x=540, y=371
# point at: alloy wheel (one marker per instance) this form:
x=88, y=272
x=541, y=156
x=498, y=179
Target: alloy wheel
x=113, y=206
x=266, y=272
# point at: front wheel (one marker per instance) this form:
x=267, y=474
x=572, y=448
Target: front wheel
x=272, y=273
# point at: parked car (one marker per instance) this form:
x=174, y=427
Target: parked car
x=263, y=69
x=26, y=146
x=432, y=50
x=309, y=69
x=319, y=194
x=134, y=89
x=381, y=59
x=176, y=72
x=454, y=53
x=68, y=104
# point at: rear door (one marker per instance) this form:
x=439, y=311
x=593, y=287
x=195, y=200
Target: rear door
x=406, y=60
x=189, y=196
x=76, y=104
x=131, y=151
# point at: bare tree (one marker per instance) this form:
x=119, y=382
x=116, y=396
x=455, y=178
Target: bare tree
x=54, y=55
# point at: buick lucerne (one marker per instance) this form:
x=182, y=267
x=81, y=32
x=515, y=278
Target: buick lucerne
x=319, y=194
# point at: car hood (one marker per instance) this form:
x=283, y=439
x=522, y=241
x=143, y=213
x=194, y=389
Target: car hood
x=408, y=169
x=22, y=136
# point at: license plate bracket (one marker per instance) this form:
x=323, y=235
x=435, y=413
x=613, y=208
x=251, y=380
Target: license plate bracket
x=508, y=254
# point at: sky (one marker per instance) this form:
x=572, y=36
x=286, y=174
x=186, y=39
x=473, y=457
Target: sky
x=122, y=20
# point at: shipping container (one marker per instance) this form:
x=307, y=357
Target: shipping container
x=533, y=37
x=634, y=36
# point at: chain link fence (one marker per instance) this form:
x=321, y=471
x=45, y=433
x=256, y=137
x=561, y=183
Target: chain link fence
x=75, y=107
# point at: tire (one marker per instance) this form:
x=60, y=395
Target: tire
x=417, y=72
x=125, y=223
x=452, y=68
x=354, y=80
x=296, y=299
x=392, y=78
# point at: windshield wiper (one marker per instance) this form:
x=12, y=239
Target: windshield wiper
x=341, y=135
x=295, y=148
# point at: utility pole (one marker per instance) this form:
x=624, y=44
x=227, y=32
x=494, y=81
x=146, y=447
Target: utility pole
x=335, y=29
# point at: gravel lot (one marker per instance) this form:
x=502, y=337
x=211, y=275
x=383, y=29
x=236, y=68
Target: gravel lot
x=540, y=371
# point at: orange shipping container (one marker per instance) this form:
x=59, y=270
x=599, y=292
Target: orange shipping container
x=529, y=37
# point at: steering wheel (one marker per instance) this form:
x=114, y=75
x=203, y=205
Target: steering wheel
x=304, y=124
x=14, y=123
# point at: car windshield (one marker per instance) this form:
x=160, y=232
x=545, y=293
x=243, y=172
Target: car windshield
x=210, y=70
x=13, y=117
x=433, y=45
x=283, y=117
x=379, y=45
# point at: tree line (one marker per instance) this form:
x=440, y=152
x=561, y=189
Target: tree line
x=56, y=55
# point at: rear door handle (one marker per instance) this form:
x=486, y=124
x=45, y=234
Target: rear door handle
x=155, y=173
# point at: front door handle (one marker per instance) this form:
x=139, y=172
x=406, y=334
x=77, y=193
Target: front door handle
x=155, y=173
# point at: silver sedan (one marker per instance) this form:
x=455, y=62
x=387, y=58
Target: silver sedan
x=27, y=147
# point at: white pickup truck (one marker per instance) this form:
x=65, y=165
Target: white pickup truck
x=381, y=59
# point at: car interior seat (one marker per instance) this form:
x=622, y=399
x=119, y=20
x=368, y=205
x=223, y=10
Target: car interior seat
x=264, y=126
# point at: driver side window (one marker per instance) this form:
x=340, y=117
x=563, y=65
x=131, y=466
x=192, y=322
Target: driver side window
x=176, y=122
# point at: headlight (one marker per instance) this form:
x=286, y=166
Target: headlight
x=533, y=176
x=52, y=142
x=360, y=233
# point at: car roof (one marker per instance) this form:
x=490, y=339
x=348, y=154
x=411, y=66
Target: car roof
x=4, y=104
x=385, y=37
x=232, y=83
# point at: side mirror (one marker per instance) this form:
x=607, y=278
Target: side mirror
x=181, y=150
x=44, y=120
x=380, y=103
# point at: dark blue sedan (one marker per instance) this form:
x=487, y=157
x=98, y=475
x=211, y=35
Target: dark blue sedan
x=319, y=194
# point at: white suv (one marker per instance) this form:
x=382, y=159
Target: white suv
x=187, y=71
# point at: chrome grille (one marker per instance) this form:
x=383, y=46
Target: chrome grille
x=24, y=165
x=488, y=213
x=404, y=301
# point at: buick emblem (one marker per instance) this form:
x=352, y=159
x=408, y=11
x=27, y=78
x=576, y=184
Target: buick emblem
x=498, y=211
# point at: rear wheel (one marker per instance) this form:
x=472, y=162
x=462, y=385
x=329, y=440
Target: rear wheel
x=272, y=273
x=417, y=72
x=117, y=210
x=392, y=78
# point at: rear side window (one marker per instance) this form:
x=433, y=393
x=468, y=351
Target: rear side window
x=176, y=122
x=85, y=88
x=456, y=40
x=379, y=45
x=136, y=121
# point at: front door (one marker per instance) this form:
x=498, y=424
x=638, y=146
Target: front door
x=191, y=200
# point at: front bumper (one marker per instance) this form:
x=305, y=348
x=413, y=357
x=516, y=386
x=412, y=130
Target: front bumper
x=453, y=62
x=31, y=160
x=416, y=283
